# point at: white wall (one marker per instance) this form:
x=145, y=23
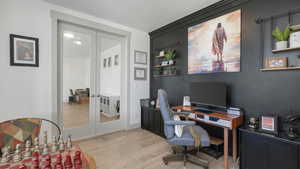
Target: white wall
x=26, y=91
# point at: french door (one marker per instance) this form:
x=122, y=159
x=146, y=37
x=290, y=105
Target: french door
x=90, y=81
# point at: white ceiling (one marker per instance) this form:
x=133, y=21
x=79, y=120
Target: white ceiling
x=146, y=15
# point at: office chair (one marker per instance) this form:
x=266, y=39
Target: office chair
x=186, y=140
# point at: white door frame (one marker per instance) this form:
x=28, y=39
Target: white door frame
x=57, y=83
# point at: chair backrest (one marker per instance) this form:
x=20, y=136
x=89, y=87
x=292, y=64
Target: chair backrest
x=165, y=112
x=17, y=131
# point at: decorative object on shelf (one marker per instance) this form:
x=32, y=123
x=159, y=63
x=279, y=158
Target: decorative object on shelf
x=186, y=101
x=24, y=51
x=295, y=39
x=140, y=57
x=293, y=120
x=253, y=123
x=140, y=73
x=277, y=62
x=268, y=124
x=170, y=55
x=281, y=37
x=152, y=103
x=164, y=63
x=214, y=45
x=162, y=53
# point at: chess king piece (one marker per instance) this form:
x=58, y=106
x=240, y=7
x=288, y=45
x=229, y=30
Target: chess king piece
x=69, y=142
x=17, y=155
x=35, y=160
x=27, y=149
x=61, y=143
x=45, y=140
x=5, y=155
x=54, y=146
x=45, y=149
x=36, y=145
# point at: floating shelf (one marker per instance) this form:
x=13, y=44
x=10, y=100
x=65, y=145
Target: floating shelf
x=295, y=27
x=287, y=49
x=156, y=76
x=286, y=68
x=159, y=56
x=159, y=66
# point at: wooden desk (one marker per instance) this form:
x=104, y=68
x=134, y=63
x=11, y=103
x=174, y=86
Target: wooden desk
x=236, y=121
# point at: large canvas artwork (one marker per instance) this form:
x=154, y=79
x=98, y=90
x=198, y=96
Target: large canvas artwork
x=214, y=46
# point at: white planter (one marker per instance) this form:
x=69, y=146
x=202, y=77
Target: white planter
x=171, y=62
x=281, y=45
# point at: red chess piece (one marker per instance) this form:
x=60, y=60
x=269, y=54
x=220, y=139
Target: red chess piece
x=23, y=166
x=59, y=159
x=36, y=160
x=68, y=163
x=47, y=162
x=77, y=158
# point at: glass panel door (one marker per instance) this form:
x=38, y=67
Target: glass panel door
x=78, y=51
x=110, y=55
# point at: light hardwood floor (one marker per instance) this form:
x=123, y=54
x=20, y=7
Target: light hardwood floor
x=136, y=149
x=77, y=115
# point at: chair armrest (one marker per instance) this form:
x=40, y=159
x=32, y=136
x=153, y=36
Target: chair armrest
x=185, y=123
x=181, y=113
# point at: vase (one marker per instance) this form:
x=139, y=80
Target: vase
x=281, y=45
x=171, y=62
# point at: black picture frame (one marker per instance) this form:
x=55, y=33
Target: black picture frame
x=35, y=51
x=262, y=127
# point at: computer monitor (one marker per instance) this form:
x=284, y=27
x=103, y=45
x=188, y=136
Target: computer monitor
x=209, y=94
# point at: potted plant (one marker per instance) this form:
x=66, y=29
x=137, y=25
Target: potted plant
x=281, y=37
x=170, y=55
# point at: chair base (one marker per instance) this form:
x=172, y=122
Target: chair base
x=185, y=156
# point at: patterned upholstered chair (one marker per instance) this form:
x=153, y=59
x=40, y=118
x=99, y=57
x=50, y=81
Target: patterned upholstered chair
x=186, y=140
x=13, y=132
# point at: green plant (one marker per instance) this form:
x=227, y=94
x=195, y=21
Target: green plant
x=170, y=54
x=281, y=36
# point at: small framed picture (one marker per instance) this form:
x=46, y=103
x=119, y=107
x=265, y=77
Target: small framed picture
x=268, y=124
x=109, y=62
x=104, y=63
x=24, y=51
x=140, y=73
x=277, y=62
x=116, y=62
x=140, y=57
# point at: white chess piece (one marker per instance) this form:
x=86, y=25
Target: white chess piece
x=61, y=143
x=17, y=155
x=27, y=149
x=69, y=142
x=5, y=155
x=54, y=147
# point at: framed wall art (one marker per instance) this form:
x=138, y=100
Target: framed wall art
x=268, y=124
x=140, y=57
x=24, y=51
x=140, y=73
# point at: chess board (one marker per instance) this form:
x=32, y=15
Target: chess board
x=29, y=161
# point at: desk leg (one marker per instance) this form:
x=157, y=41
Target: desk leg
x=225, y=148
x=234, y=144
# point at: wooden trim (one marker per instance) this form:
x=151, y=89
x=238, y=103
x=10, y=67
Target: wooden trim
x=284, y=68
x=285, y=50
